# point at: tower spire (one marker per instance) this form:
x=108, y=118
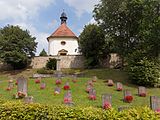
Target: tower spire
x=63, y=17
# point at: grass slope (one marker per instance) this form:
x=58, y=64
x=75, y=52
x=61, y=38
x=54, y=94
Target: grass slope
x=79, y=96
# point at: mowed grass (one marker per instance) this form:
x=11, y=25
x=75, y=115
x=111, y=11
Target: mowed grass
x=79, y=96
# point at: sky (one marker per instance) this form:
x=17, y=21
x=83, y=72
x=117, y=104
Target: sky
x=42, y=17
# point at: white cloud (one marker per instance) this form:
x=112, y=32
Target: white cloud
x=21, y=10
x=82, y=6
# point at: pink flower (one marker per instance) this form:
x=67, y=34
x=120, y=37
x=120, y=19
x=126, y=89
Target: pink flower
x=37, y=81
x=67, y=100
x=92, y=97
x=158, y=110
x=58, y=82
x=8, y=89
x=107, y=105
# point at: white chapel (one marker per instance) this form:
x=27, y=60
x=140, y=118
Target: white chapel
x=63, y=41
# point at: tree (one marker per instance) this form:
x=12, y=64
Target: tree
x=43, y=53
x=17, y=46
x=132, y=24
x=92, y=40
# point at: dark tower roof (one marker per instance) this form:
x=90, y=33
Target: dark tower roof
x=63, y=17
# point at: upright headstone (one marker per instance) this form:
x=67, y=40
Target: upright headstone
x=10, y=85
x=142, y=91
x=66, y=86
x=57, y=90
x=106, y=101
x=94, y=79
x=119, y=86
x=89, y=87
x=128, y=96
x=22, y=87
x=68, y=98
x=92, y=94
x=42, y=85
x=110, y=82
x=155, y=103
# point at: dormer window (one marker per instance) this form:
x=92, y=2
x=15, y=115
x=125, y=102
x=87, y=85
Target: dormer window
x=63, y=42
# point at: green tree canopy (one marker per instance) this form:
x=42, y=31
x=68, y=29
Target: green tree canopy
x=92, y=40
x=132, y=24
x=43, y=53
x=17, y=46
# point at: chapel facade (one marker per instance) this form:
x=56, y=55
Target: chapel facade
x=63, y=41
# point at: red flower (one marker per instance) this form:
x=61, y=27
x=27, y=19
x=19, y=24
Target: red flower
x=16, y=83
x=106, y=105
x=92, y=97
x=66, y=87
x=58, y=82
x=8, y=89
x=128, y=99
x=67, y=100
x=142, y=94
x=119, y=89
x=88, y=89
x=37, y=81
x=158, y=110
x=21, y=94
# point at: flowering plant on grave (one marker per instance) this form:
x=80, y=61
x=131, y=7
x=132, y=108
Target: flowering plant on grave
x=92, y=97
x=110, y=83
x=88, y=89
x=16, y=82
x=58, y=82
x=90, y=83
x=107, y=105
x=67, y=100
x=8, y=88
x=21, y=94
x=158, y=110
x=66, y=87
x=74, y=80
x=128, y=98
x=43, y=85
x=119, y=89
x=37, y=81
x=142, y=94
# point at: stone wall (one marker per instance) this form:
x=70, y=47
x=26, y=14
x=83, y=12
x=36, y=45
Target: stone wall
x=75, y=61
x=69, y=61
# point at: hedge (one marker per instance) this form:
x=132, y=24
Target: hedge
x=20, y=111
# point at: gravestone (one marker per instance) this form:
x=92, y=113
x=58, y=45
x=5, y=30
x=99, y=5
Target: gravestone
x=155, y=103
x=92, y=94
x=94, y=79
x=10, y=85
x=22, y=85
x=142, y=91
x=106, y=101
x=68, y=98
x=128, y=96
x=57, y=90
x=42, y=85
x=89, y=87
x=119, y=86
x=58, y=81
x=28, y=99
x=66, y=86
x=121, y=108
x=110, y=82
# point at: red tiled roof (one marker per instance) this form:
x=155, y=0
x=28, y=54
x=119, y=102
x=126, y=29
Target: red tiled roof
x=62, y=31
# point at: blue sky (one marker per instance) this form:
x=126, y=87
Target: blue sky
x=42, y=17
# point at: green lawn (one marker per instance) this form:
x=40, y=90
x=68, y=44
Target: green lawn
x=79, y=96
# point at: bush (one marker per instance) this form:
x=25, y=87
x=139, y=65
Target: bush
x=19, y=111
x=144, y=72
x=51, y=64
x=45, y=71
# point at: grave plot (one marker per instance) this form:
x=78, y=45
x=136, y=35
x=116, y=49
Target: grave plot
x=106, y=101
x=94, y=79
x=128, y=96
x=21, y=88
x=155, y=103
x=38, y=80
x=92, y=94
x=42, y=85
x=89, y=87
x=28, y=99
x=68, y=98
x=58, y=81
x=66, y=86
x=57, y=90
x=119, y=86
x=10, y=85
x=142, y=91
x=74, y=78
x=110, y=82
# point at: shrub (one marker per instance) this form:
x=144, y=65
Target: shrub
x=144, y=72
x=45, y=71
x=18, y=111
x=51, y=64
